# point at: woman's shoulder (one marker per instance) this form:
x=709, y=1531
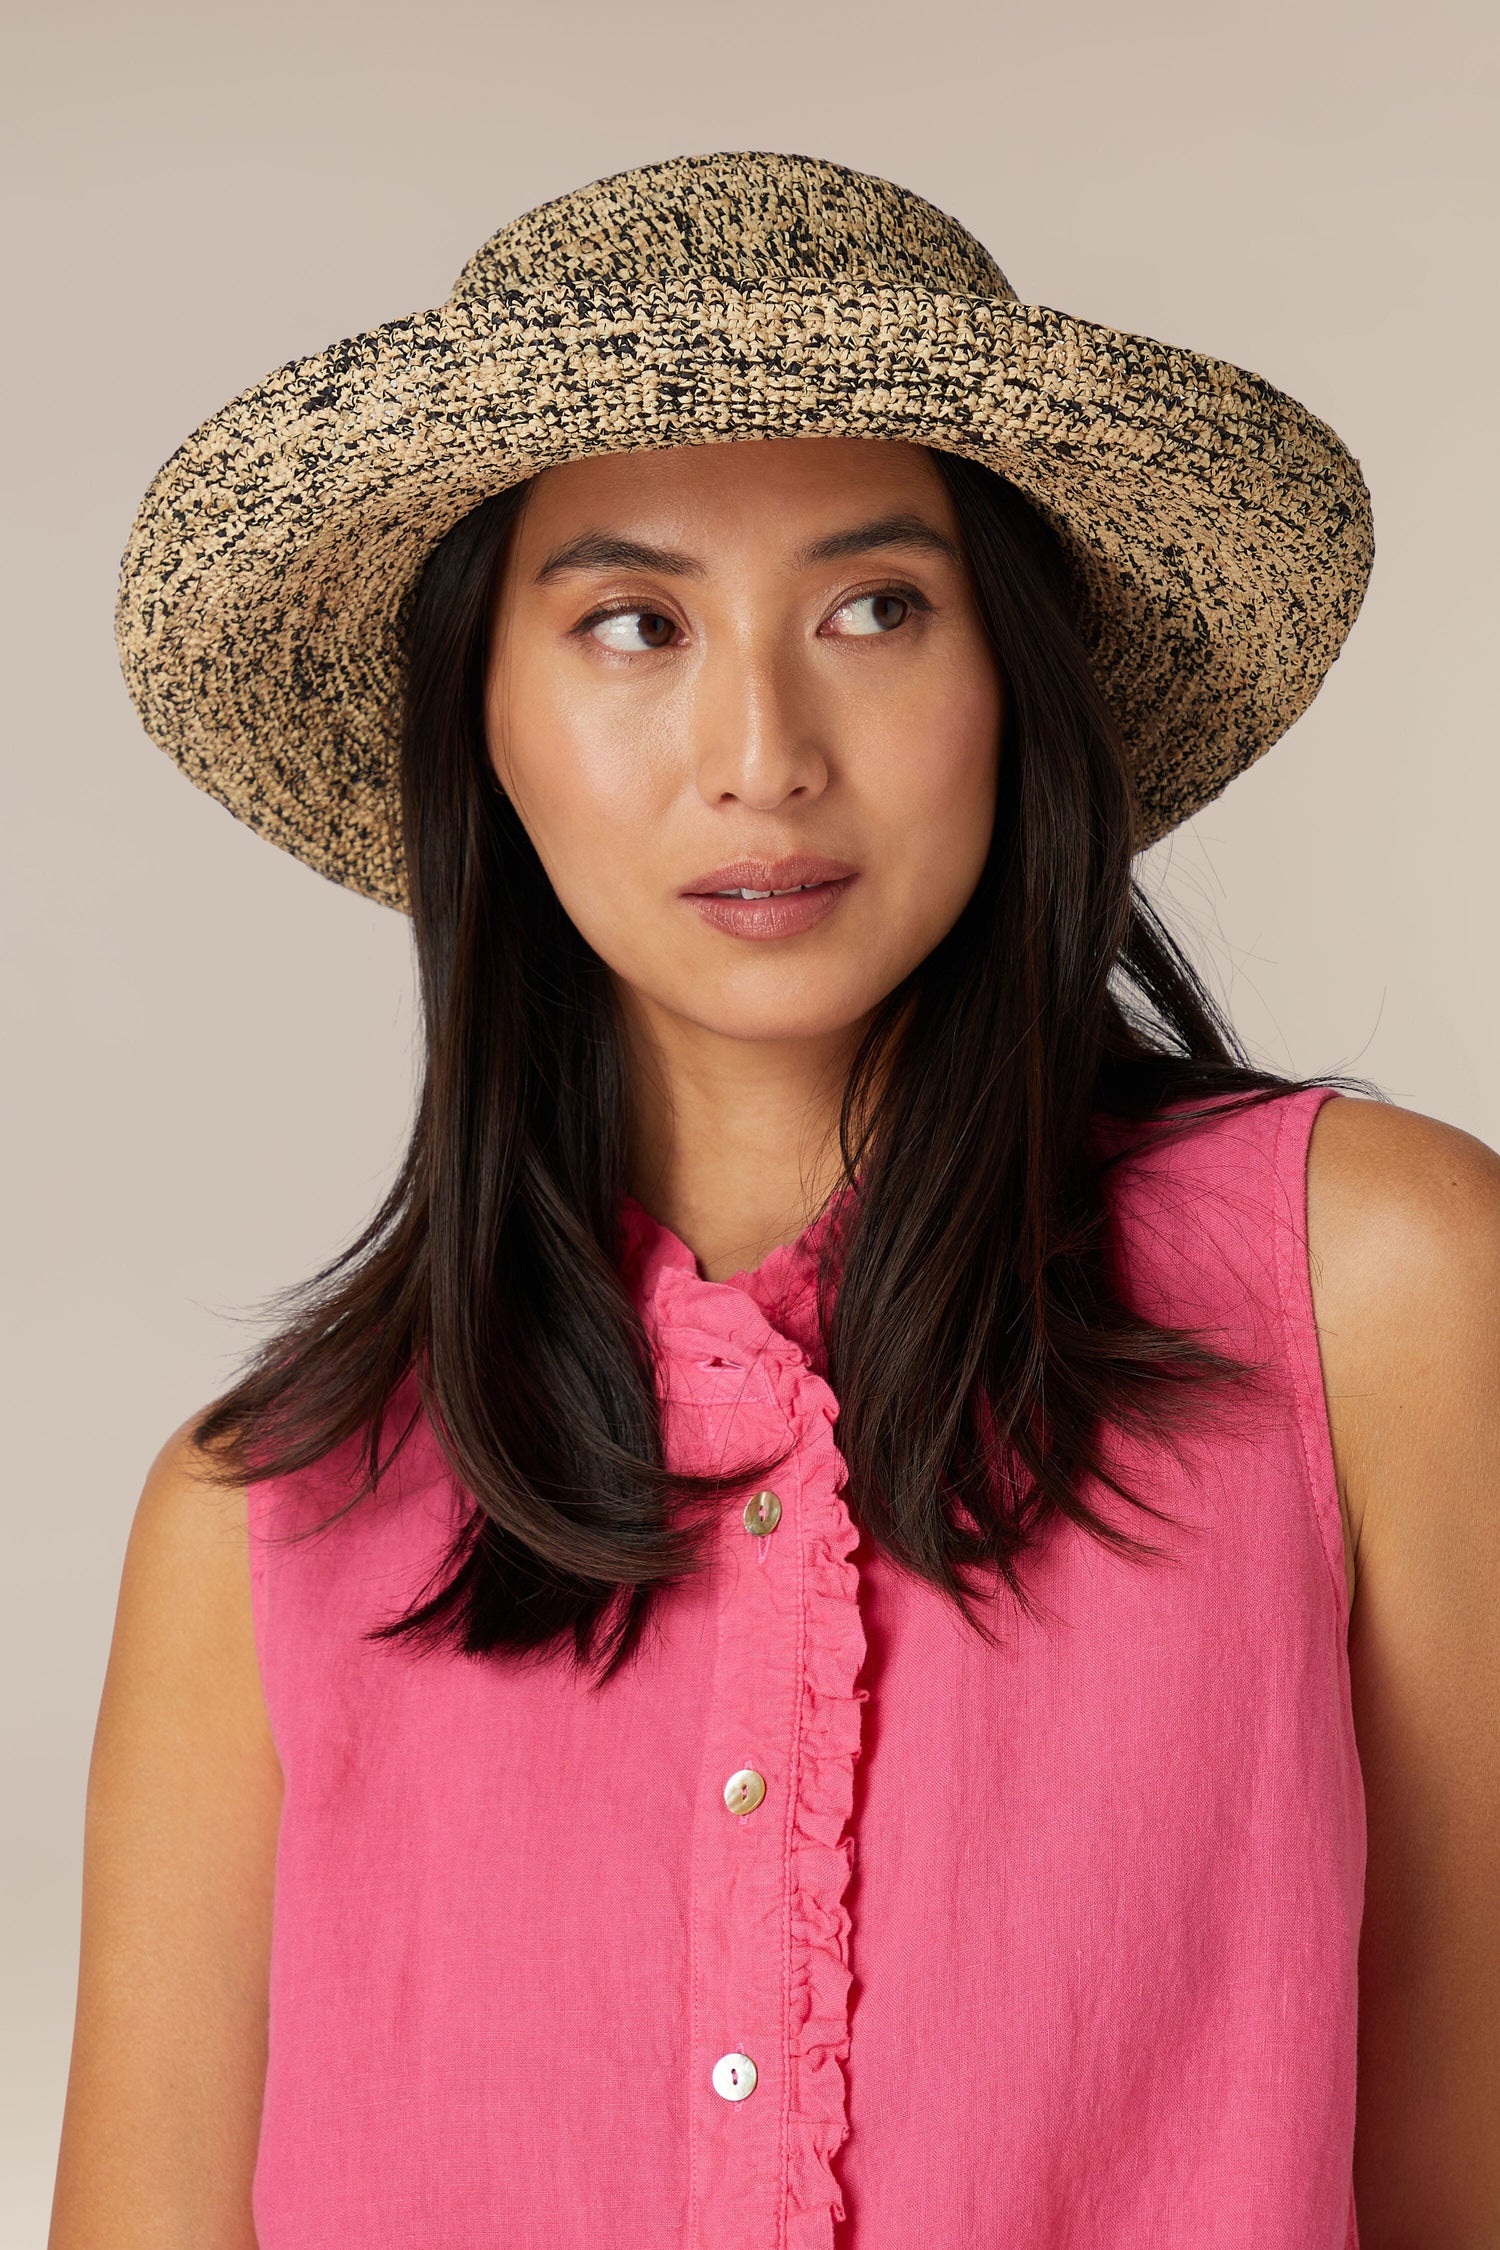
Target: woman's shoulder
x=183, y=1744
x=1403, y=1231
x=185, y=1585
x=189, y=1518
x=1403, y=1222
x=1402, y=1193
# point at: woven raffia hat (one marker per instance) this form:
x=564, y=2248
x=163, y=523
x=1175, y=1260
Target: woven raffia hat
x=1220, y=534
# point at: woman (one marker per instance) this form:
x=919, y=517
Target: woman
x=803, y=1642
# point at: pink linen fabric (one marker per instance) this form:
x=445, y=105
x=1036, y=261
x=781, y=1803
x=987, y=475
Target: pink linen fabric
x=1048, y=1944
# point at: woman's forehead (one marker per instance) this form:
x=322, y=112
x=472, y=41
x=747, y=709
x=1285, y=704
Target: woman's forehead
x=776, y=482
x=815, y=466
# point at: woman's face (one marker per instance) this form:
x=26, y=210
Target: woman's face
x=749, y=666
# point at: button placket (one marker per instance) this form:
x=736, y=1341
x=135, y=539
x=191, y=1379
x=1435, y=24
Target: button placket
x=764, y=1891
x=748, y=1932
x=740, y=1888
x=734, y=2075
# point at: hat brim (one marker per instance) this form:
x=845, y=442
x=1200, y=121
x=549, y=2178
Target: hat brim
x=1221, y=533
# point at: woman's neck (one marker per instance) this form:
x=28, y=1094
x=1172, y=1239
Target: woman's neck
x=734, y=1142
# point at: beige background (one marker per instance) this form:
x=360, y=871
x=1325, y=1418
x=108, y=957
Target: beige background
x=210, y=1047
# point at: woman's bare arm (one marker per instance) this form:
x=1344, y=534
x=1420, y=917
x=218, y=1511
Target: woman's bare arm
x=184, y=1799
x=1404, y=1230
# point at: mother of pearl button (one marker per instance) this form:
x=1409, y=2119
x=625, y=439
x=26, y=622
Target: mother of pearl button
x=762, y=1514
x=734, y=2077
x=744, y=1790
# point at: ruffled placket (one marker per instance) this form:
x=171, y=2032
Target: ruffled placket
x=768, y=1924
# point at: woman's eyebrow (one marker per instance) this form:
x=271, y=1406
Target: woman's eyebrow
x=881, y=531
x=603, y=550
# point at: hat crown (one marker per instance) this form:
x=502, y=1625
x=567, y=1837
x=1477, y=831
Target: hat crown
x=742, y=220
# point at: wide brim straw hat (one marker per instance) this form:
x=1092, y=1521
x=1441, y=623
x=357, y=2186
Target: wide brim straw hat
x=1220, y=534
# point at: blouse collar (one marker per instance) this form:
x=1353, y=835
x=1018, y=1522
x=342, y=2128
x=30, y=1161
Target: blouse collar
x=783, y=1287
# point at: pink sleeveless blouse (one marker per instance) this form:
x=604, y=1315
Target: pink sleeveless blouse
x=826, y=1924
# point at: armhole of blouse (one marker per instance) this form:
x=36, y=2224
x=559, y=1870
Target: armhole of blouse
x=258, y=1494
x=1296, y=1116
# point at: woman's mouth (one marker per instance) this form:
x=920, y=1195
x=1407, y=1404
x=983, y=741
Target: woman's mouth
x=769, y=914
x=765, y=894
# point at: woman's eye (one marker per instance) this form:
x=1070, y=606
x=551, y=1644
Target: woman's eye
x=873, y=613
x=633, y=630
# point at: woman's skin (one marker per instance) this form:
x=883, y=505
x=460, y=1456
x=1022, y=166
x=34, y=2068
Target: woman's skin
x=751, y=698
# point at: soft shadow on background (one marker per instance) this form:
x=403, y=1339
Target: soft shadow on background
x=210, y=1048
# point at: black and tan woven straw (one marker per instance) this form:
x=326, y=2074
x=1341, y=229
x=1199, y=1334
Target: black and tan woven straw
x=1220, y=533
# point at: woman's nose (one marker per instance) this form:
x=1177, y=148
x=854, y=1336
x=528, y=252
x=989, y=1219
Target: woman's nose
x=759, y=731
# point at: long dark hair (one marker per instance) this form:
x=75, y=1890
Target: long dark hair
x=978, y=1336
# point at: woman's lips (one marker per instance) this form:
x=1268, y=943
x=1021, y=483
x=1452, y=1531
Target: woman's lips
x=770, y=917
